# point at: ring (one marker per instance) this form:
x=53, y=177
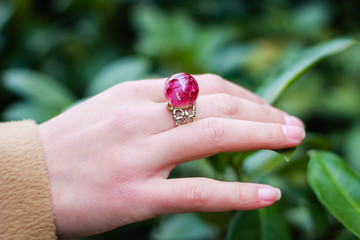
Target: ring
x=181, y=91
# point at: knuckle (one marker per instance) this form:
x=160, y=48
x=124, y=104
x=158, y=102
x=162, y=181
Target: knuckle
x=240, y=194
x=126, y=88
x=127, y=85
x=266, y=111
x=125, y=183
x=213, y=76
x=213, y=131
x=216, y=82
x=122, y=120
x=195, y=195
x=226, y=104
x=121, y=87
x=273, y=114
x=117, y=119
x=270, y=138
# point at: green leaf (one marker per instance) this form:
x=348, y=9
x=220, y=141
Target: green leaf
x=154, y=26
x=244, y=225
x=225, y=59
x=37, y=87
x=30, y=110
x=219, y=219
x=293, y=69
x=43, y=40
x=6, y=11
x=345, y=235
x=218, y=162
x=286, y=153
x=337, y=186
x=312, y=16
x=273, y=225
x=310, y=218
x=126, y=69
x=351, y=147
x=262, y=163
x=198, y=168
x=184, y=226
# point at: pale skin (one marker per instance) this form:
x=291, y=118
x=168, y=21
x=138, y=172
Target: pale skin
x=109, y=157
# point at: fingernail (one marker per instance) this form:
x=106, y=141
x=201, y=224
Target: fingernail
x=269, y=194
x=293, y=121
x=294, y=132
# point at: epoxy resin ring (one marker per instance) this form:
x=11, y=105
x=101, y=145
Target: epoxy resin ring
x=181, y=91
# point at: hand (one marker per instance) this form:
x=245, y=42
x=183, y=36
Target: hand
x=109, y=157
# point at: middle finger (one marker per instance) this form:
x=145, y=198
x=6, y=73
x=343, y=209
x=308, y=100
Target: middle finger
x=224, y=106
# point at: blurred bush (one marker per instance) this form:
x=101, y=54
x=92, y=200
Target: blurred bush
x=55, y=53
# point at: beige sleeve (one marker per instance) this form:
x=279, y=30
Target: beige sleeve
x=25, y=202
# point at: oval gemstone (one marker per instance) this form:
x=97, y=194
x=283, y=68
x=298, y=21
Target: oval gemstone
x=181, y=90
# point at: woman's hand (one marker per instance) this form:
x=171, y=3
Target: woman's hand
x=109, y=157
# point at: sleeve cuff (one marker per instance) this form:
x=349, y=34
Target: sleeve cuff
x=25, y=201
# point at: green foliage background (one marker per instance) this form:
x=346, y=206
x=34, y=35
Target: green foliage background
x=55, y=53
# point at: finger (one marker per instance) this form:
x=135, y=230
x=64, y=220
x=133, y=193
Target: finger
x=207, y=195
x=211, y=84
x=214, y=135
x=208, y=84
x=225, y=106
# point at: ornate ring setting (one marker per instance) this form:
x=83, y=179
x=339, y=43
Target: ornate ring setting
x=181, y=91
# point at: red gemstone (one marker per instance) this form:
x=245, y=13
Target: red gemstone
x=181, y=90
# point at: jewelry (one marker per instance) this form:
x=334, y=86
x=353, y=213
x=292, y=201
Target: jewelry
x=181, y=91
